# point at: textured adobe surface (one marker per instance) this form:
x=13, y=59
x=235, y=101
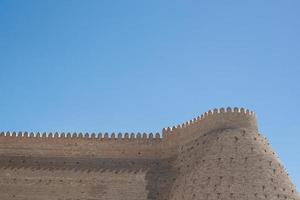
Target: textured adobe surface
x=219, y=155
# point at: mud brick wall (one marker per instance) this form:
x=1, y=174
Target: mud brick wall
x=218, y=155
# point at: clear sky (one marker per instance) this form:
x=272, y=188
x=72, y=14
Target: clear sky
x=129, y=66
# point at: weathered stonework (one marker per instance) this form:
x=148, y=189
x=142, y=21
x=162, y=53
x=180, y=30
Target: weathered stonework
x=219, y=155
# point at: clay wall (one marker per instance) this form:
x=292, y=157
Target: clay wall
x=224, y=157
x=218, y=155
x=76, y=145
x=71, y=168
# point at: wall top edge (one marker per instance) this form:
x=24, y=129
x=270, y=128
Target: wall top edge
x=127, y=136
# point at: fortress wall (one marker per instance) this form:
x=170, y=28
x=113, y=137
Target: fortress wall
x=85, y=179
x=79, y=146
x=59, y=184
x=219, y=155
x=229, y=162
x=70, y=168
x=70, y=178
x=82, y=168
x=210, y=121
x=124, y=146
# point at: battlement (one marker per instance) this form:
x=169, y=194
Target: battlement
x=210, y=121
x=217, y=155
x=141, y=145
x=214, y=112
x=99, y=136
x=220, y=118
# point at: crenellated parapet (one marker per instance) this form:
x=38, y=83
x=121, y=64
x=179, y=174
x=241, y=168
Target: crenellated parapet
x=222, y=155
x=210, y=121
x=98, y=136
x=217, y=155
x=102, y=145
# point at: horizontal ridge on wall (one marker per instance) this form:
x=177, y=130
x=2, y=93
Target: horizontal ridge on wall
x=101, y=136
x=196, y=120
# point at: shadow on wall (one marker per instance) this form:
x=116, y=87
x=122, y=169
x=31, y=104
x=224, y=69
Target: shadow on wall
x=159, y=175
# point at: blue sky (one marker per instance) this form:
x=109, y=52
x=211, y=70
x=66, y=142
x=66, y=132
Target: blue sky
x=129, y=66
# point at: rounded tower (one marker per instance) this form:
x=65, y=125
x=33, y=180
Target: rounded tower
x=221, y=155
